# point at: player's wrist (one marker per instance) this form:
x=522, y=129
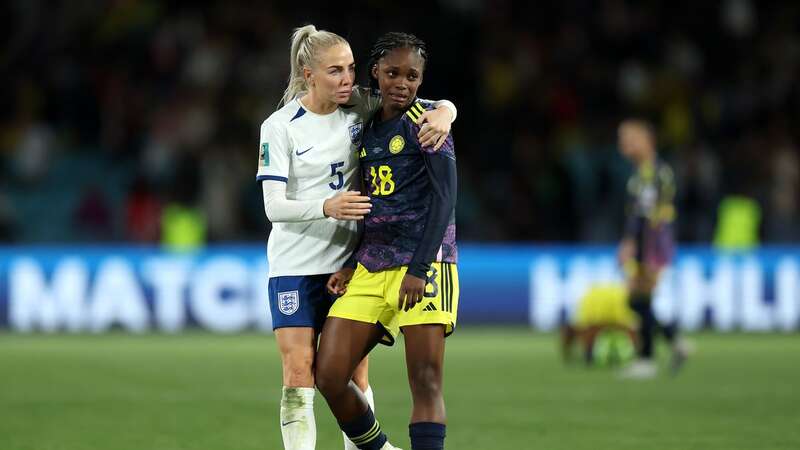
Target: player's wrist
x=326, y=208
x=349, y=264
x=450, y=107
x=418, y=270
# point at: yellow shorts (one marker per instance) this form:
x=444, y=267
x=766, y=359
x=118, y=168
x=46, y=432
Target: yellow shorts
x=605, y=305
x=373, y=297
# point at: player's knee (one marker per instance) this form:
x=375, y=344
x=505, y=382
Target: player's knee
x=330, y=381
x=298, y=369
x=426, y=380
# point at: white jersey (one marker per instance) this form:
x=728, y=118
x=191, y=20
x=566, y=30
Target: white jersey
x=316, y=156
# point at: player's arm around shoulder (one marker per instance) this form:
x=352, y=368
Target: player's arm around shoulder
x=432, y=122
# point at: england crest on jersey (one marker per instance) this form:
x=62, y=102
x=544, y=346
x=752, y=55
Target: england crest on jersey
x=288, y=302
x=355, y=132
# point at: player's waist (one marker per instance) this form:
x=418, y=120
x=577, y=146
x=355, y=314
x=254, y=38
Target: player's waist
x=375, y=263
x=405, y=266
x=394, y=239
x=311, y=241
x=306, y=260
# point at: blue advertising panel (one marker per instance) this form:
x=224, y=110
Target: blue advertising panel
x=224, y=288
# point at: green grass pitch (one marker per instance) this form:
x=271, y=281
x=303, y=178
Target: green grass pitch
x=505, y=389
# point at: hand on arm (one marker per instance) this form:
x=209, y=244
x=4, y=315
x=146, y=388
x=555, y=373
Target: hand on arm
x=435, y=127
x=348, y=205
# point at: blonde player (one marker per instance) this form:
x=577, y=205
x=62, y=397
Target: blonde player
x=308, y=166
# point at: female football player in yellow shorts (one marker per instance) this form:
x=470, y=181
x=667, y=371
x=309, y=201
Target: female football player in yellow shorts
x=406, y=278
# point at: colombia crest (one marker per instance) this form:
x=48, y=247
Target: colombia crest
x=396, y=144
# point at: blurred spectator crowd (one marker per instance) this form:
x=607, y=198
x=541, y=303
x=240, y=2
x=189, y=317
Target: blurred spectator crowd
x=118, y=114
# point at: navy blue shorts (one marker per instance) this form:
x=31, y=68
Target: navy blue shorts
x=299, y=301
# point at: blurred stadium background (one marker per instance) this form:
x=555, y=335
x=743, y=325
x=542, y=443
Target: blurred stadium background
x=129, y=216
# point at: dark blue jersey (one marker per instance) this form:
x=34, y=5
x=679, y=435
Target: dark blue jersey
x=650, y=212
x=413, y=192
x=651, y=191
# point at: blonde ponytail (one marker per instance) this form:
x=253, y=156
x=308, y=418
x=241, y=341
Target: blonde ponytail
x=307, y=43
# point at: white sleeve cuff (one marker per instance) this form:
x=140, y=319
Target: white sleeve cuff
x=449, y=105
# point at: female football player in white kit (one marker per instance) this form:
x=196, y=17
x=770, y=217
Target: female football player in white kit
x=308, y=168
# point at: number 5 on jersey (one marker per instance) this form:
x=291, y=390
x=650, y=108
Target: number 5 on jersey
x=382, y=183
x=335, y=172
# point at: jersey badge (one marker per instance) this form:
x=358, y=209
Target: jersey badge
x=288, y=302
x=263, y=155
x=396, y=144
x=355, y=132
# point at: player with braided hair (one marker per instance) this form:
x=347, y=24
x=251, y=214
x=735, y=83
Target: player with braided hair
x=406, y=278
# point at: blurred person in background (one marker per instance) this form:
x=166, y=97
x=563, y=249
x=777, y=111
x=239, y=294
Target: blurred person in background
x=648, y=244
x=93, y=214
x=142, y=212
x=603, y=314
x=6, y=220
x=308, y=166
x=783, y=220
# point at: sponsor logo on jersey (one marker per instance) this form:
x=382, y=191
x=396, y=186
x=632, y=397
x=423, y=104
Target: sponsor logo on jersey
x=288, y=302
x=298, y=152
x=263, y=155
x=355, y=132
x=396, y=144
